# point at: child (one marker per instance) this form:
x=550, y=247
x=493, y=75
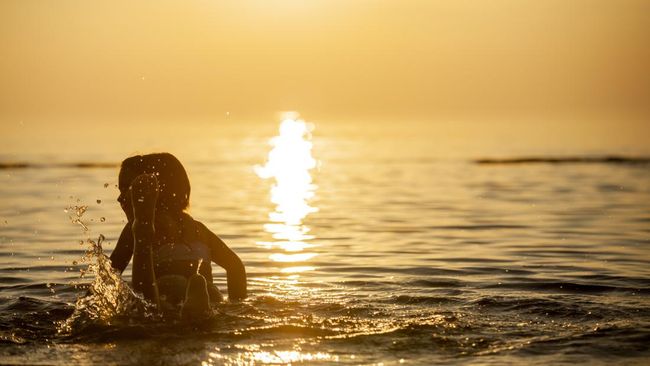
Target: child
x=171, y=251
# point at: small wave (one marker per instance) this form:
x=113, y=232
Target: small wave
x=287, y=330
x=9, y=337
x=384, y=270
x=617, y=339
x=42, y=268
x=536, y=306
x=570, y=287
x=479, y=227
x=46, y=289
x=26, y=319
x=437, y=283
x=11, y=279
x=447, y=335
x=613, y=159
x=79, y=165
x=422, y=300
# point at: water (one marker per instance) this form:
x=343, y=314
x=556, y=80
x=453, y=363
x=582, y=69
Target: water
x=372, y=252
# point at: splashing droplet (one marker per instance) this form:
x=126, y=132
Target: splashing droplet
x=78, y=212
x=106, y=185
x=102, y=219
x=109, y=296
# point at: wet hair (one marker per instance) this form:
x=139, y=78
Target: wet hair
x=174, y=185
x=173, y=224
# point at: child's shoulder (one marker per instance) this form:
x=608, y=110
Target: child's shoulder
x=197, y=227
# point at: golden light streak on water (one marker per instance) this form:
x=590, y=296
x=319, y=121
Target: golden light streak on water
x=285, y=231
x=298, y=269
x=289, y=164
x=253, y=354
x=300, y=257
x=289, y=246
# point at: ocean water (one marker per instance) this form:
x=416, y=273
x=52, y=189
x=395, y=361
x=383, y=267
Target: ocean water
x=359, y=250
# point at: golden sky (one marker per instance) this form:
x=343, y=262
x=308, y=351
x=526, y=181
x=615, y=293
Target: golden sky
x=352, y=59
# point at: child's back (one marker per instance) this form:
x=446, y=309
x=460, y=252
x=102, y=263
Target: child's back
x=167, y=244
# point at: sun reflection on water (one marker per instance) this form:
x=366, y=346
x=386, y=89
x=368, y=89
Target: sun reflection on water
x=289, y=164
x=253, y=354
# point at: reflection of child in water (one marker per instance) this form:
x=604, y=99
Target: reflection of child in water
x=172, y=253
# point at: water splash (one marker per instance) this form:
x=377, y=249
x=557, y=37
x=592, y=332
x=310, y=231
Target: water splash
x=109, y=299
x=75, y=214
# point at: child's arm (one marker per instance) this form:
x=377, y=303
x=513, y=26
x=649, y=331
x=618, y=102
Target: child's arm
x=121, y=255
x=226, y=258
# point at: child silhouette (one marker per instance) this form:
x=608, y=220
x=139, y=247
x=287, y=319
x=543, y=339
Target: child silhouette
x=172, y=252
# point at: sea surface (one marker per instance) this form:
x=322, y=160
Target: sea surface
x=360, y=249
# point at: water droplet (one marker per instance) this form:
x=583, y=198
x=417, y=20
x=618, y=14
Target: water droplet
x=106, y=185
x=99, y=201
x=74, y=263
x=102, y=219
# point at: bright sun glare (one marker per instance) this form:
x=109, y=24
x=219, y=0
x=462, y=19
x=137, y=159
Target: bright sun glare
x=289, y=163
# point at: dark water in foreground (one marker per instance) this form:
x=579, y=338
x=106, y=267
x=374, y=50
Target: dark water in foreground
x=391, y=261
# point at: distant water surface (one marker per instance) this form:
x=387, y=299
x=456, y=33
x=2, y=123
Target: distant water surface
x=358, y=251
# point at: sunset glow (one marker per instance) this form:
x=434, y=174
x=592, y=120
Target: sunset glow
x=363, y=182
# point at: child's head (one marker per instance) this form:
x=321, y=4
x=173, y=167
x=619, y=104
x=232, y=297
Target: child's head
x=174, y=185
